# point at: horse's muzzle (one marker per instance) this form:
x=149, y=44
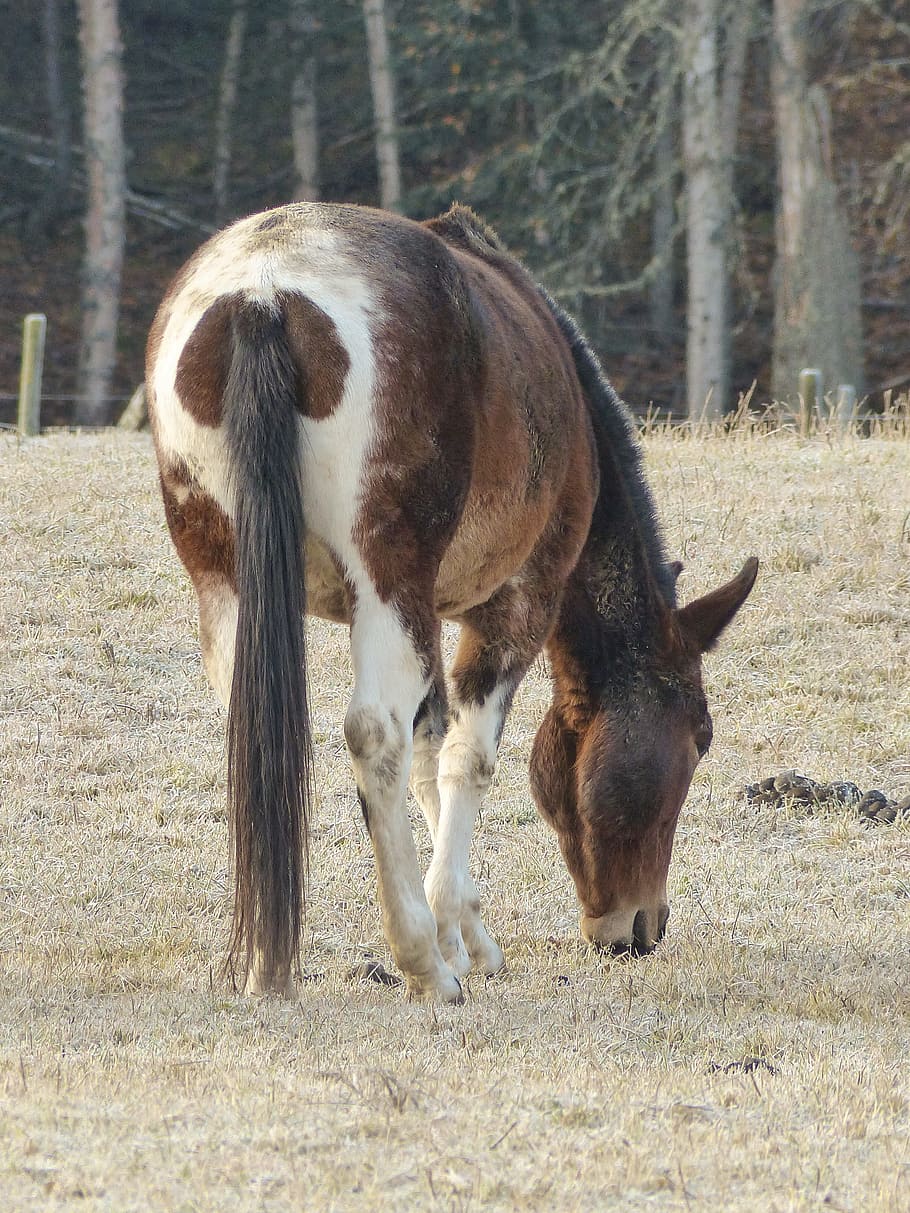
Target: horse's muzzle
x=633, y=931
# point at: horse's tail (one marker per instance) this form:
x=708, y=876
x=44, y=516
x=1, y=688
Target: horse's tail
x=269, y=740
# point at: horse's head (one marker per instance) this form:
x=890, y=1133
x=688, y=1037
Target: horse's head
x=611, y=774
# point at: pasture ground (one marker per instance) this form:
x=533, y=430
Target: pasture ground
x=130, y=1078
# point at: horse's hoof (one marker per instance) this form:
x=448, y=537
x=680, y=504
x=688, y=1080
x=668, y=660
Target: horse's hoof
x=455, y=954
x=447, y=989
x=372, y=970
x=487, y=956
x=492, y=962
x=255, y=987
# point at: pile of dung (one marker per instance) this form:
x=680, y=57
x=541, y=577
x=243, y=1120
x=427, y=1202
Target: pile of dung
x=791, y=788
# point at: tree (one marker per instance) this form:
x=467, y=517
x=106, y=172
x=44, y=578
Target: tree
x=304, y=104
x=817, y=319
x=711, y=100
x=382, y=85
x=227, y=104
x=102, y=84
x=663, y=222
x=61, y=124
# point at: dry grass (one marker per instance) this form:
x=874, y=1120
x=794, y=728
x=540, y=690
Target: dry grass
x=130, y=1080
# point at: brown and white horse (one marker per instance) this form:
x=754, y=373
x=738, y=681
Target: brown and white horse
x=385, y=424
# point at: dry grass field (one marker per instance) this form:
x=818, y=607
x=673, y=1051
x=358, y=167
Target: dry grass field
x=757, y=1061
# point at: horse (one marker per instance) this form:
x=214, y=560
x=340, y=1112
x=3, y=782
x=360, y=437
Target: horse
x=387, y=423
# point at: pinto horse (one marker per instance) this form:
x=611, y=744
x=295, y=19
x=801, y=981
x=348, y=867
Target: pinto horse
x=386, y=424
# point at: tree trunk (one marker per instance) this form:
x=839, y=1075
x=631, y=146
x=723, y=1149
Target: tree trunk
x=304, y=112
x=708, y=338
x=61, y=121
x=663, y=218
x=817, y=319
x=102, y=83
x=382, y=84
x=227, y=105
x=738, y=30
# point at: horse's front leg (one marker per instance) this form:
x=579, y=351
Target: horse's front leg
x=389, y=685
x=466, y=758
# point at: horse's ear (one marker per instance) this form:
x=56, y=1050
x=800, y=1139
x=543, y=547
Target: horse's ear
x=705, y=618
x=676, y=567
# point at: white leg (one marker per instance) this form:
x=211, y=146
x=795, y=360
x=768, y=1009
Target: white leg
x=465, y=768
x=217, y=634
x=389, y=685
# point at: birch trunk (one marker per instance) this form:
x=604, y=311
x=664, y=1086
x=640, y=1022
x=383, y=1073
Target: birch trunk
x=382, y=84
x=102, y=84
x=304, y=111
x=61, y=124
x=738, y=31
x=227, y=105
x=662, y=222
x=708, y=339
x=817, y=304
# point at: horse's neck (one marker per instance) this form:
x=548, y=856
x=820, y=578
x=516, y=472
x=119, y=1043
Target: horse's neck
x=608, y=621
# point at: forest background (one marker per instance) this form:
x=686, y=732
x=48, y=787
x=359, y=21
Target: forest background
x=719, y=191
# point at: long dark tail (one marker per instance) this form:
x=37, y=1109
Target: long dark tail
x=269, y=740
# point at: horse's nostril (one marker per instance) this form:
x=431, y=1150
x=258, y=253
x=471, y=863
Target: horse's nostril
x=642, y=939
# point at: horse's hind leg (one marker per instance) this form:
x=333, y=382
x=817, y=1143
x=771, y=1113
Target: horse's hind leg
x=484, y=679
x=217, y=632
x=390, y=683
x=204, y=539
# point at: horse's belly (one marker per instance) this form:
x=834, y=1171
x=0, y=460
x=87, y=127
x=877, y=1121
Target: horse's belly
x=488, y=548
x=326, y=593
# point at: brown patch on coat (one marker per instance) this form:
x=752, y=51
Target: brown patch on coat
x=480, y=422
x=202, y=532
x=502, y=636
x=533, y=446
x=427, y=352
x=328, y=593
x=204, y=363
x=321, y=359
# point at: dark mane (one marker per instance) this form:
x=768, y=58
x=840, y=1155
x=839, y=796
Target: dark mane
x=618, y=446
x=460, y=227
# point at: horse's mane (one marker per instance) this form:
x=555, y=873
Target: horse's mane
x=618, y=448
x=461, y=227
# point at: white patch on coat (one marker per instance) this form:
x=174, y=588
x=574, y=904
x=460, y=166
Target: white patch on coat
x=310, y=263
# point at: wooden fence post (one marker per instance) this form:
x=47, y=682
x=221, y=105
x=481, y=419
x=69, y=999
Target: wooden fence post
x=811, y=396
x=33, y=333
